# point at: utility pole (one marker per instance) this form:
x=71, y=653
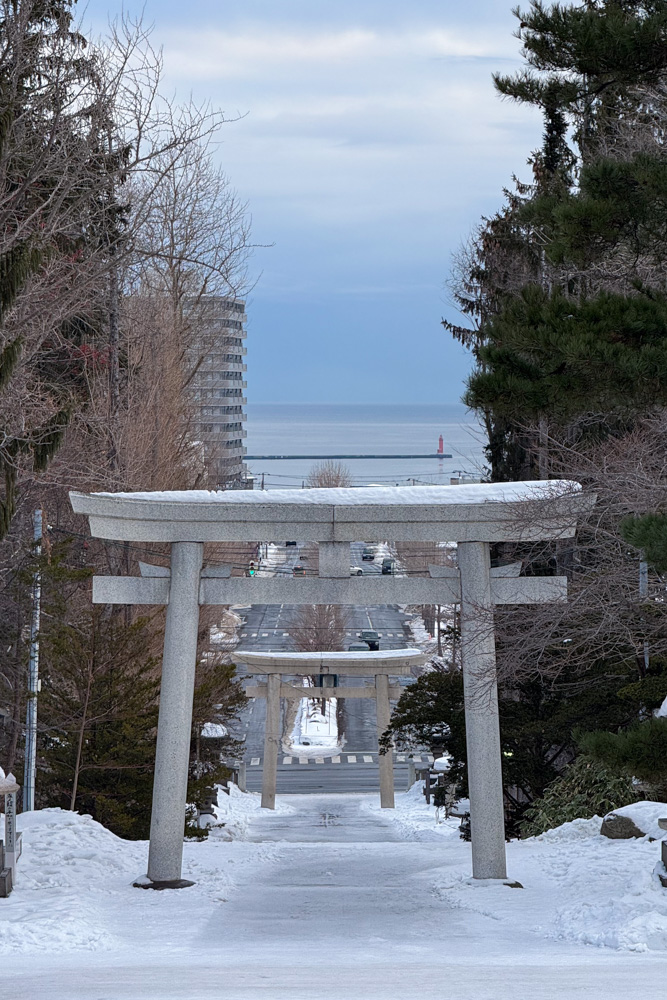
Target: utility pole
x=33, y=675
x=643, y=592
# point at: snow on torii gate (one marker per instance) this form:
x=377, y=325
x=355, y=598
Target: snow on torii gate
x=471, y=515
x=379, y=665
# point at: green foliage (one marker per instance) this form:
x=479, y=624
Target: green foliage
x=430, y=713
x=99, y=706
x=577, y=351
x=618, y=204
x=547, y=354
x=17, y=265
x=538, y=721
x=54, y=166
x=98, y=715
x=586, y=789
x=583, y=54
x=218, y=698
x=639, y=751
x=649, y=533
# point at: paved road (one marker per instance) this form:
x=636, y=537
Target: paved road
x=347, y=771
x=266, y=628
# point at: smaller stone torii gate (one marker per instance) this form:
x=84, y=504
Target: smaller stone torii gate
x=379, y=665
x=473, y=516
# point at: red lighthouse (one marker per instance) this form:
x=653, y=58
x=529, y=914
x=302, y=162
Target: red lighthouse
x=441, y=445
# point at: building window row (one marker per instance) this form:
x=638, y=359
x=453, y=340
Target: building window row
x=236, y=410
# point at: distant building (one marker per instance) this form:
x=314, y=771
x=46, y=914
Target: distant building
x=218, y=388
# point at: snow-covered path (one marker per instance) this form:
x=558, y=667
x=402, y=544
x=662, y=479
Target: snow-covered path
x=326, y=901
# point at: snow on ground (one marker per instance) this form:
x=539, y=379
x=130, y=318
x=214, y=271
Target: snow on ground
x=315, y=732
x=422, y=639
x=413, y=817
x=236, y=810
x=273, y=557
x=74, y=891
x=578, y=885
x=331, y=898
x=645, y=816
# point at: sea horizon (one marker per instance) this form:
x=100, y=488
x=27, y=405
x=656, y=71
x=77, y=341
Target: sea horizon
x=380, y=429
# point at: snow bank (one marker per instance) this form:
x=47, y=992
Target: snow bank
x=52, y=908
x=213, y=731
x=274, y=557
x=645, y=816
x=74, y=888
x=578, y=886
x=412, y=816
x=422, y=639
x=237, y=810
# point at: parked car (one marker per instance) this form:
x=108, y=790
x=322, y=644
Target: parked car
x=388, y=566
x=371, y=638
x=368, y=554
x=356, y=571
x=298, y=570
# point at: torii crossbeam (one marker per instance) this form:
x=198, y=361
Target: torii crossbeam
x=472, y=516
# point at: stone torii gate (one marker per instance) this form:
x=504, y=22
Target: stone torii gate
x=472, y=516
x=379, y=665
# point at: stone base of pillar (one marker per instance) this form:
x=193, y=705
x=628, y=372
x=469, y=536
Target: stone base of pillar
x=144, y=882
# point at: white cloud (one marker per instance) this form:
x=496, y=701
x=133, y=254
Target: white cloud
x=374, y=149
x=218, y=55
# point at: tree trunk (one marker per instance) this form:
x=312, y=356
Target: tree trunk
x=114, y=364
x=82, y=730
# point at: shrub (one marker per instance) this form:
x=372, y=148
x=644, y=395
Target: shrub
x=639, y=751
x=587, y=788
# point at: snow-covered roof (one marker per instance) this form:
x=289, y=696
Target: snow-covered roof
x=384, y=661
x=335, y=656
x=472, y=493
x=475, y=512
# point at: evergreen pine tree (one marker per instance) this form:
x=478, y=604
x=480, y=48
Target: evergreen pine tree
x=600, y=218
x=52, y=171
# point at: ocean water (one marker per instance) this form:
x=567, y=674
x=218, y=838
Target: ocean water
x=383, y=430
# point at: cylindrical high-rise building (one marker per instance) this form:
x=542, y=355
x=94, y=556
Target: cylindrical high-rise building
x=218, y=388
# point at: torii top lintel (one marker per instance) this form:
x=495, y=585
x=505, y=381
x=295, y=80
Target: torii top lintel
x=487, y=512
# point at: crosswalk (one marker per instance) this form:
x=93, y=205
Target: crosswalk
x=346, y=758
x=279, y=632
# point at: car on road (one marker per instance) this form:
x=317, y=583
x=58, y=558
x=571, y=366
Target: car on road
x=371, y=638
x=356, y=571
x=290, y=543
x=388, y=566
x=357, y=647
x=298, y=570
x=368, y=553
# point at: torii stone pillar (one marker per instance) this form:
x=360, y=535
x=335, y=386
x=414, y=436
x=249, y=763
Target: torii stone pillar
x=473, y=516
x=271, y=741
x=172, y=751
x=478, y=658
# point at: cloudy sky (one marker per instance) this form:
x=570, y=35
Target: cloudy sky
x=371, y=143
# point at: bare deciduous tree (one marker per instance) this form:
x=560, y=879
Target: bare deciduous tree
x=328, y=474
x=319, y=627
x=605, y=619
